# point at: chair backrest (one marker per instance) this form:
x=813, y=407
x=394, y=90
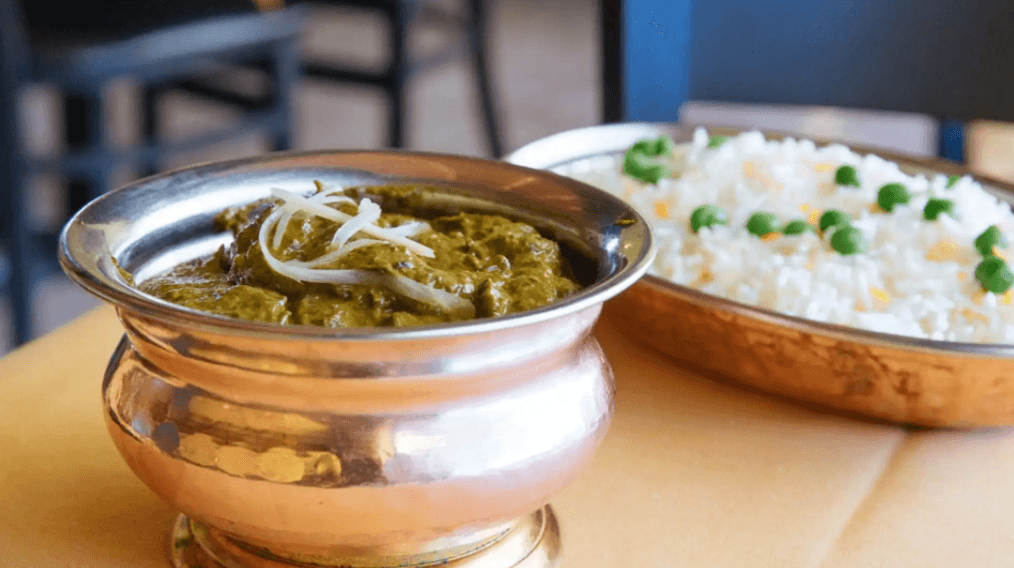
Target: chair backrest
x=946, y=58
x=15, y=54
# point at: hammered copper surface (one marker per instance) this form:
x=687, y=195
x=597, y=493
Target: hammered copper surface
x=911, y=386
x=889, y=377
x=356, y=447
x=449, y=465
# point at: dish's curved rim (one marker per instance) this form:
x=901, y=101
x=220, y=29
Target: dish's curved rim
x=803, y=325
x=121, y=294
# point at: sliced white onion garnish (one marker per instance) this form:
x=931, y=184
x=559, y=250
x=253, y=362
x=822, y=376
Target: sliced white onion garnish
x=262, y=238
x=399, y=284
x=337, y=254
x=307, y=204
x=323, y=197
x=331, y=196
x=337, y=199
x=403, y=285
x=410, y=229
x=451, y=303
x=298, y=270
x=368, y=214
x=339, y=217
x=326, y=190
x=283, y=224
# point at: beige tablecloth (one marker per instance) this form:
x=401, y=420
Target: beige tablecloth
x=692, y=474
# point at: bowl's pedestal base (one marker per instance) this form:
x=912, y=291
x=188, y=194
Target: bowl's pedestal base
x=531, y=542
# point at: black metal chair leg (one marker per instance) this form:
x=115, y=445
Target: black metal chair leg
x=397, y=78
x=611, y=35
x=77, y=110
x=150, y=127
x=86, y=129
x=477, y=38
x=285, y=71
x=15, y=229
x=17, y=235
x=20, y=279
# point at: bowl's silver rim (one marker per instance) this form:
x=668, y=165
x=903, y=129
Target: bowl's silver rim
x=121, y=295
x=802, y=325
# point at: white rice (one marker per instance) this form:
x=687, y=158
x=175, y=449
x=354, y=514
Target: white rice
x=917, y=278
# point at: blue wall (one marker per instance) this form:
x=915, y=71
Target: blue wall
x=951, y=58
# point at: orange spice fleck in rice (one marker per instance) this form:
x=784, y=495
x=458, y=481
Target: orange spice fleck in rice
x=823, y=167
x=804, y=207
x=973, y=316
x=814, y=217
x=1008, y=296
x=662, y=209
x=999, y=253
x=978, y=297
x=772, y=236
x=944, y=250
x=879, y=294
x=749, y=169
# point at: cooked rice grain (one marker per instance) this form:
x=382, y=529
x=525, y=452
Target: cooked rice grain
x=916, y=279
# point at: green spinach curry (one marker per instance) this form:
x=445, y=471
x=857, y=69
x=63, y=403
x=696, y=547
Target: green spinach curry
x=334, y=259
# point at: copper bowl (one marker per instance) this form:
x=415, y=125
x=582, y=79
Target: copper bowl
x=878, y=375
x=298, y=445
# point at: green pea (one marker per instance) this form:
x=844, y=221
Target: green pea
x=951, y=181
x=994, y=275
x=664, y=146
x=706, y=216
x=654, y=146
x=848, y=240
x=833, y=218
x=847, y=175
x=652, y=173
x=640, y=166
x=891, y=195
x=643, y=146
x=638, y=162
x=717, y=141
x=762, y=223
x=796, y=227
x=991, y=237
x=934, y=207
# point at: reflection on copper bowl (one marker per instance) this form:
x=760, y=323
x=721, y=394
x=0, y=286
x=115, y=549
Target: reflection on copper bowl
x=298, y=445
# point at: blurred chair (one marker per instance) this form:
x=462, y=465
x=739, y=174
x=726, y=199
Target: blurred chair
x=78, y=48
x=950, y=60
x=399, y=15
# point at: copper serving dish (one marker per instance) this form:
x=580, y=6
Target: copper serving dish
x=383, y=447
x=888, y=377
